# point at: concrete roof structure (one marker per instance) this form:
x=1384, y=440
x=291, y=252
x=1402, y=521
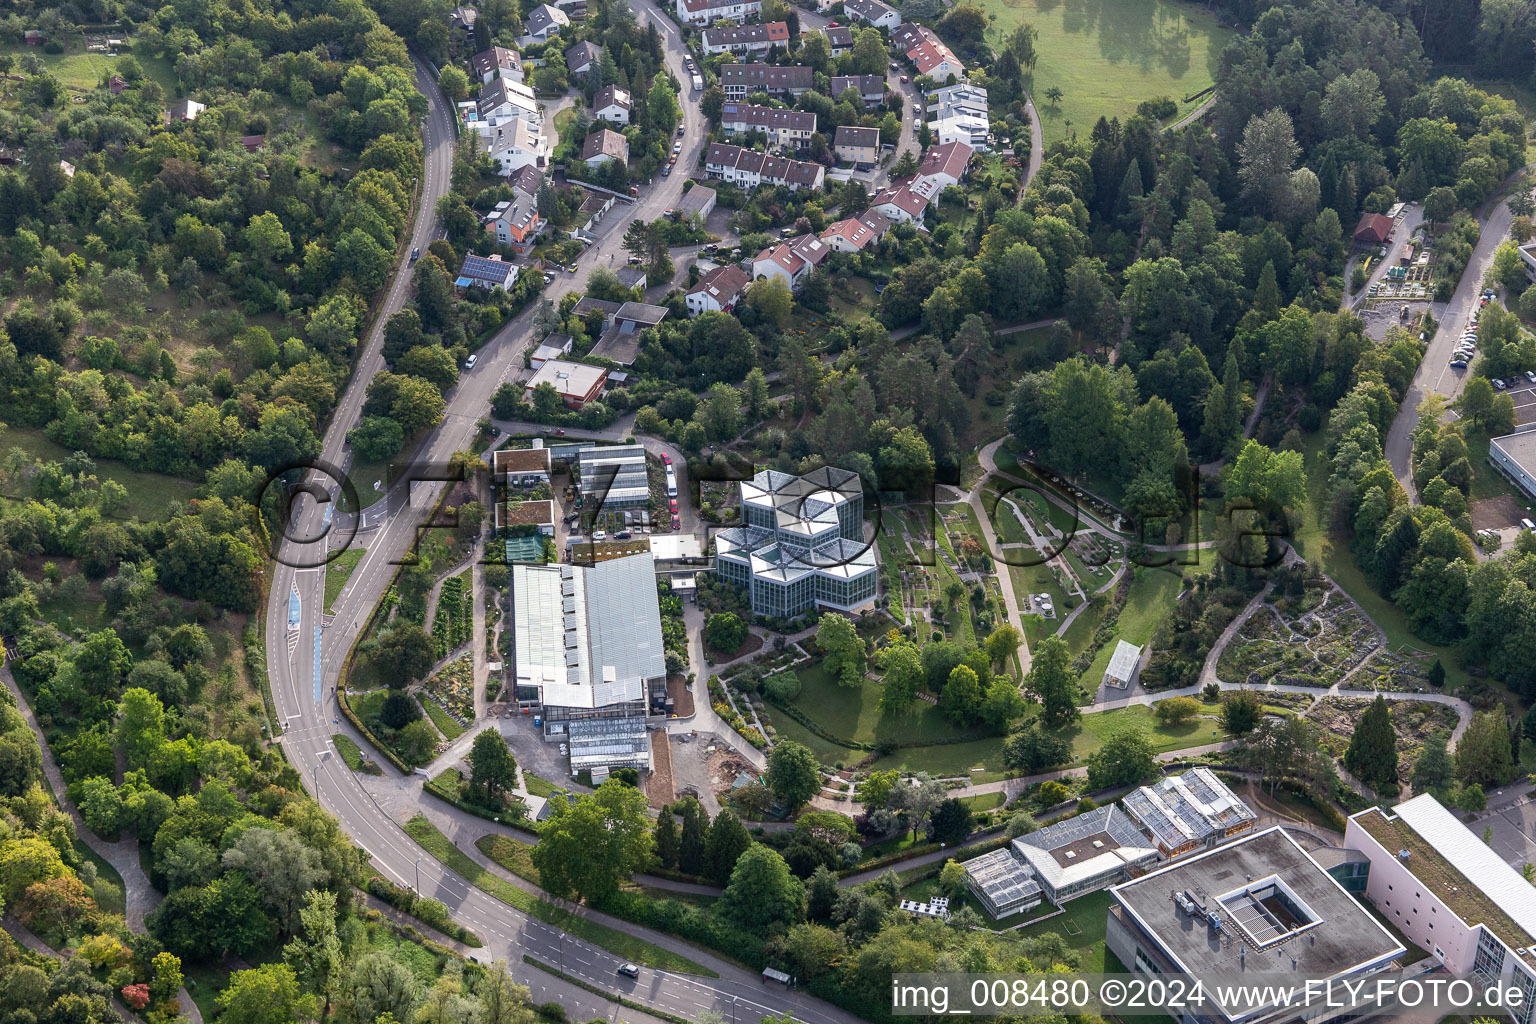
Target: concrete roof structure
x=1459, y=868
x=1275, y=911
x=587, y=636
x=574, y=381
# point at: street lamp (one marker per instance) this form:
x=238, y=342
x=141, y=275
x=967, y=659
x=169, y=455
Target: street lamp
x=418, y=876
x=733, y=1008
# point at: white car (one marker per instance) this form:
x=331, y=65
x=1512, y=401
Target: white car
x=1530, y=375
x=1499, y=385
x=469, y=364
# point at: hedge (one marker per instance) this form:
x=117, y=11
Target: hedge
x=407, y=902
x=690, y=923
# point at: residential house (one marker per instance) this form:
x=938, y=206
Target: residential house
x=707, y=12
x=612, y=104
x=251, y=143
x=873, y=12
x=34, y=37
x=839, y=39
x=911, y=34
x=718, y=291
x=855, y=234
x=854, y=145
x=544, y=23
x=587, y=305
x=792, y=128
x=583, y=57
x=871, y=88
x=519, y=224
x=526, y=179
x=748, y=169
x=116, y=84
x=604, y=145
x=486, y=272
x=632, y=278
x=786, y=83
x=517, y=143
x=502, y=100
x=899, y=204
x=463, y=19
x=960, y=98
x=698, y=201
x=497, y=62
x=184, y=110
x=936, y=60
x=791, y=261
x=755, y=39
x=621, y=341
x=552, y=347
x=576, y=383
x=943, y=165
x=969, y=129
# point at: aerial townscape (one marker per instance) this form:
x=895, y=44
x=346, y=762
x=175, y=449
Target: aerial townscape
x=693, y=511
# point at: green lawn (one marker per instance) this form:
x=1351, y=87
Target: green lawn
x=616, y=942
x=1333, y=557
x=338, y=571
x=1149, y=599
x=538, y=786
x=856, y=715
x=445, y=724
x=148, y=493
x=1082, y=926
x=1109, y=56
x=80, y=70
x=1089, y=735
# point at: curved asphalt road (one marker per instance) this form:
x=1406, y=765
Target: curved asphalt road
x=304, y=663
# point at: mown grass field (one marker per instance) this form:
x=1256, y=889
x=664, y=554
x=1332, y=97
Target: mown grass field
x=1108, y=56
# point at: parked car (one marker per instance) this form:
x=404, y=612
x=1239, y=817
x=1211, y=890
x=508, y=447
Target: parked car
x=903, y=79
x=1530, y=375
x=1458, y=363
x=681, y=130
x=672, y=505
x=677, y=524
x=1499, y=385
x=666, y=459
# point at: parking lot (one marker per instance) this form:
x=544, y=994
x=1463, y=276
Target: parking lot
x=1524, y=395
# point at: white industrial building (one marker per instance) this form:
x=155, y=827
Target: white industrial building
x=587, y=651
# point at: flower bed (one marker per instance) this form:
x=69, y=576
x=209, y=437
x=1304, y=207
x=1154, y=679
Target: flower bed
x=455, y=614
x=454, y=688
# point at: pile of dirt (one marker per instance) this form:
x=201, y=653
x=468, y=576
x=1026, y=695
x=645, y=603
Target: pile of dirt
x=725, y=765
x=659, y=787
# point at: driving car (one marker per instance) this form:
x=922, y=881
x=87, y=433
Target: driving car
x=681, y=130
x=469, y=364
x=672, y=505
x=666, y=460
x=629, y=970
x=677, y=524
x=415, y=253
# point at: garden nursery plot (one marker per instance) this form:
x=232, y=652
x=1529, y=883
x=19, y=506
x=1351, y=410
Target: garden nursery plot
x=1319, y=646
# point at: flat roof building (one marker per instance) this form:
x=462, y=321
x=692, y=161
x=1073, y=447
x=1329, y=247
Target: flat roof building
x=587, y=647
x=1449, y=892
x=1259, y=906
x=1514, y=455
x=576, y=383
